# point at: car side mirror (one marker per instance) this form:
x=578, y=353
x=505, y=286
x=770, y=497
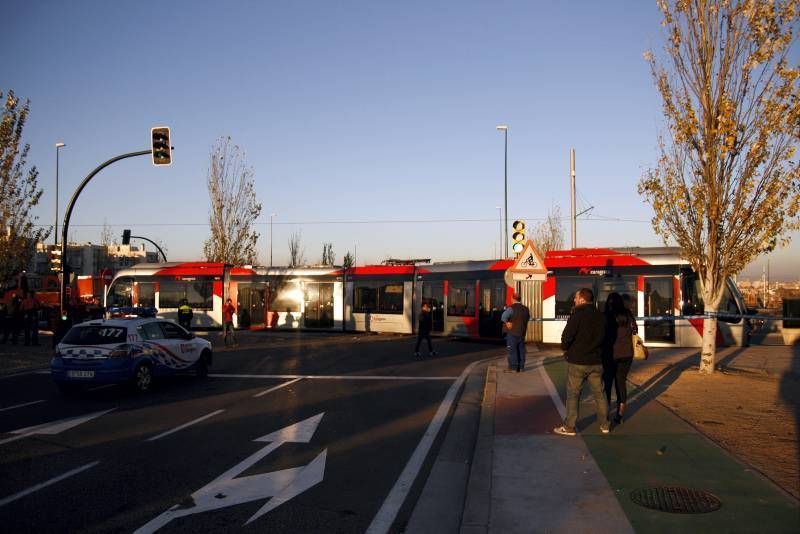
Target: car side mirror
x=189, y=335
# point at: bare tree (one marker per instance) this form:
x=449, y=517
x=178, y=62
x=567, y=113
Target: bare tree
x=549, y=234
x=106, y=237
x=328, y=256
x=234, y=207
x=348, y=260
x=727, y=185
x=296, y=252
x=19, y=192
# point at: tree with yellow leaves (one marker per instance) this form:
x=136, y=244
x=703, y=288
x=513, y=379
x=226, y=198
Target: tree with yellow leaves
x=726, y=187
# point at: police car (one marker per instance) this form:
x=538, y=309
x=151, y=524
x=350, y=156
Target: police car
x=132, y=350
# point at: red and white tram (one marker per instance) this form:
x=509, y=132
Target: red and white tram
x=466, y=298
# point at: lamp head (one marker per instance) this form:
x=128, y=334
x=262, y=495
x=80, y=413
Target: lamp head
x=502, y=128
x=60, y=144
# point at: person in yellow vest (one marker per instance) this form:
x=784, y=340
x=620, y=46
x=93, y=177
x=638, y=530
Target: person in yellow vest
x=185, y=314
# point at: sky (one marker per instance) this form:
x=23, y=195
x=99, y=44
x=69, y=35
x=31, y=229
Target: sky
x=368, y=125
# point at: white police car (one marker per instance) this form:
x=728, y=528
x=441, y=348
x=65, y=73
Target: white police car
x=127, y=350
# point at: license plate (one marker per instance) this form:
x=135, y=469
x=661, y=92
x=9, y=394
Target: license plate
x=80, y=374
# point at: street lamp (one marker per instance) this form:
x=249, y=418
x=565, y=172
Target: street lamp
x=504, y=128
x=271, y=215
x=59, y=145
x=500, y=217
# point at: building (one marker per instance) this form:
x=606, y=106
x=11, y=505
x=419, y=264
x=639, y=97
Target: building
x=86, y=259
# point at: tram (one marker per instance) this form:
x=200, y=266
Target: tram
x=466, y=298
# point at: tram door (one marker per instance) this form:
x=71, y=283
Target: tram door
x=318, y=305
x=659, y=302
x=433, y=294
x=250, y=301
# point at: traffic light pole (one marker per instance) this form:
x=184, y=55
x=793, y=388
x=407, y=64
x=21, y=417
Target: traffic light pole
x=153, y=243
x=68, y=214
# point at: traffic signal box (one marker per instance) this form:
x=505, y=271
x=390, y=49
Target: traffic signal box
x=518, y=236
x=126, y=237
x=160, y=145
x=55, y=260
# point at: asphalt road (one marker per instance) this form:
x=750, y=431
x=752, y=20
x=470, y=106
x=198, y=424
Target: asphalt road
x=303, y=433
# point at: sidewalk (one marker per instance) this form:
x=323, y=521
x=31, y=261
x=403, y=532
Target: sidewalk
x=526, y=479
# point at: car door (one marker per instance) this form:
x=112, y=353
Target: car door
x=181, y=344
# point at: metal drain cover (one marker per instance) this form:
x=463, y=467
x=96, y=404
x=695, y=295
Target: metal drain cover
x=676, y=500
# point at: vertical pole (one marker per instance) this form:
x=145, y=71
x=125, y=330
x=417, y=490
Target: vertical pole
x=270, y=238
x=55, y=236
x=573, y=217
x=505, y=173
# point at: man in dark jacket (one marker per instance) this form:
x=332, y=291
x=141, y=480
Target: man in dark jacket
x=516, y=319
x=582, y=342
x=424, y=328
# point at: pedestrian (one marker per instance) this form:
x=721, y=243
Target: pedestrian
x=582, y=342
x=13, y=319
x=424, y=328
x=30, y=317
x=227, y=322
x=516, y=319
x=618, y=353
x=185, y=314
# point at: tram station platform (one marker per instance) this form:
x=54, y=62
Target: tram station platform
x=654, y=473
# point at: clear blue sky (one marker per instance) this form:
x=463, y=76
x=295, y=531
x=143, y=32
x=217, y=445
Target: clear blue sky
x=348, y=112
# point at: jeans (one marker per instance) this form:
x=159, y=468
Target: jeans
x=427, y=337
x=576, y=375
x=516, y=351
x=227, y=328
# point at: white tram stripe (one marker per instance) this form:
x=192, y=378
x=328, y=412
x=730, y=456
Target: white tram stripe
x=185, y=425
x=37, y=487
x=337, y=377
x=21, y=405
x=383, y=520
x=270, y=390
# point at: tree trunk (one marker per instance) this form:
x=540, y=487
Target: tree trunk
x=709, y=350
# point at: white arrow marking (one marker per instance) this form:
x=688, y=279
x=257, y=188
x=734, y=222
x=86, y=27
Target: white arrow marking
x=54, y=427
x=278, y=486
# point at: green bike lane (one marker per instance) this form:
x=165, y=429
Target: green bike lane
x=654, y=448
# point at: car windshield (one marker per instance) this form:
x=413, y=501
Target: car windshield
x=95, y=335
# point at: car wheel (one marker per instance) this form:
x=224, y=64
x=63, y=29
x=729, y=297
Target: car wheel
x=201, y=367
x=142, y=379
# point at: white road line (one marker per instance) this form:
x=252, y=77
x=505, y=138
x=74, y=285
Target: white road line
x=37, y=487
x=552, y=390
x=338, y=377
x=270, y=390
x=185, y=425
x=391, y=506
x=21, y=405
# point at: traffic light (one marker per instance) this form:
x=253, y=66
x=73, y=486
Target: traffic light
x=518, y=236
x=126, y=237
x=162, y=150
x=55, y=260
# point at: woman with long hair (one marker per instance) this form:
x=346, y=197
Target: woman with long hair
x=621, y=325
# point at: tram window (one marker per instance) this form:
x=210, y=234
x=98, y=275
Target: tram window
x=378, y=297
x=693, y=300
x=493, y=296
x=461, y=299
x=285, y=298
x=146, y=295
x=119, y=294
x=365, y=299
x=566, y=286
x=199, y=293
x=624, y=285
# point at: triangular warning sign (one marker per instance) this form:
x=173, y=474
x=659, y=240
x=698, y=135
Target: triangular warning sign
x=529, y=261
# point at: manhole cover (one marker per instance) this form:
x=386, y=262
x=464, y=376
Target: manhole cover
x=676, y=500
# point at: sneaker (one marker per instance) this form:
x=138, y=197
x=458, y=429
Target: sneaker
x=604, y=429
x=416, y=354
x=564, y=431
x=433, y=353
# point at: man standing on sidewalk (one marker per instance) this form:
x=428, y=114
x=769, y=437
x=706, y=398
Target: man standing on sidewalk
x=582, y=342
x=516, y=319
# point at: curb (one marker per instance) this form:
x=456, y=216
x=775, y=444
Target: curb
x=475, y=518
